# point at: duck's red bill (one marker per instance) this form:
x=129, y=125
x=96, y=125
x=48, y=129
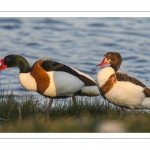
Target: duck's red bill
x=2, y=65
x=103, y=63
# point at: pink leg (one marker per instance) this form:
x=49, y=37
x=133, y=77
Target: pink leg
x=121, y=111
x=49, y=105
x=133, y=111
x=74, y=98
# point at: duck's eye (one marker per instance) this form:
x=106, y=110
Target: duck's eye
x=7, y=59
x=109, y=56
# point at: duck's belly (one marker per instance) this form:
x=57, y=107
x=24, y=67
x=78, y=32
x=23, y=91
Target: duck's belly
x=90, y=90
x=62, y=84
x=126, y=94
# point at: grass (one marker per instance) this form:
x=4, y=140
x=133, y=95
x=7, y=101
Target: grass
x=24, y=114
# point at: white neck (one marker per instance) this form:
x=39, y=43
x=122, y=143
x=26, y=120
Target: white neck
x=103, y=75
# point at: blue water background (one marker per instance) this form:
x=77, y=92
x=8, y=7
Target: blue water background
x=78, y=42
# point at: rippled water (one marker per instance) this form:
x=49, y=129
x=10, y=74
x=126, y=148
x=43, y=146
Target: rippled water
x=78, y=42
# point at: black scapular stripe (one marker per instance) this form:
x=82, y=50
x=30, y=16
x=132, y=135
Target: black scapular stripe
x=49, y=65
x=124, y=77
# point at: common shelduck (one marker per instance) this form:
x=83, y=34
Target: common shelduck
x=51, y=79
x=120, y=88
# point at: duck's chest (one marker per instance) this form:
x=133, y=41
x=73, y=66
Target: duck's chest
x=106, y=76
x=28, y=81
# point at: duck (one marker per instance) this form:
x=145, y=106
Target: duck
x=120, y=88
x=51, y=78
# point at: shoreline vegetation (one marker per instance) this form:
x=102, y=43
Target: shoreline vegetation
x=23, y=113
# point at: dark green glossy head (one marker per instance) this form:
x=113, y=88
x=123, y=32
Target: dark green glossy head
x=15, y=61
